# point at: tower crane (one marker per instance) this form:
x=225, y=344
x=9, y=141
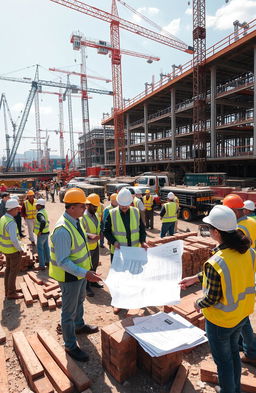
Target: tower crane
x=6, y=110
x=115, y=24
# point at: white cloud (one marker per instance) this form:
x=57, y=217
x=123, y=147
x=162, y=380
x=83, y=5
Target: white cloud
x=188, y=11
x=147, y=11
x=173, y=27
x=234, y=10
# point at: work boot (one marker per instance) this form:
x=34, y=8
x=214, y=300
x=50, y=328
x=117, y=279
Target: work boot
x=87, y=329
x=78, y=354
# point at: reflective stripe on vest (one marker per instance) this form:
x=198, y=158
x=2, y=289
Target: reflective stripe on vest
x=118, y=228
x=248, y=226
x=30, y=209
x=6, y=245
x=136, y=202
x=79, y=252
x=237, y=302
x=90, y=227
x=170, y=212
x=148, y=203
x=37, y=223
x=99, y=212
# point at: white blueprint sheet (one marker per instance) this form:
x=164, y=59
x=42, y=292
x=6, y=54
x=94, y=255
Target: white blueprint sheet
x=139, y=278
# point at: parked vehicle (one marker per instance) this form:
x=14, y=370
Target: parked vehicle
x=87, y=188
x=207, y=178
x=111, y=188
x=194, y=201
x=157, y=199
x=153, y=181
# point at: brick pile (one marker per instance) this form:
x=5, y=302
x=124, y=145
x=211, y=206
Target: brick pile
x=27, y=261
x=121, y=355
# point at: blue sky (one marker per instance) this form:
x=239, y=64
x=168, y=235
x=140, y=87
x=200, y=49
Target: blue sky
x=38, y=32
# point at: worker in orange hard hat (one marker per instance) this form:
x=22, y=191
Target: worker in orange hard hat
x=28, y=212
x=70, y=263
x=91, y=224
x=247, y=225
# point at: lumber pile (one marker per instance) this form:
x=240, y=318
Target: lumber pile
x=28, y=260
x=46, y=365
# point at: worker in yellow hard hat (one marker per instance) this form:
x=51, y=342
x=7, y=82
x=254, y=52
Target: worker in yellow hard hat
x=91, y=224
x=28, y=212
x=148, y=201
x=112, y=205
x=70, y=263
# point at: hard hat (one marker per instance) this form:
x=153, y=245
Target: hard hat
x=233, y=201
x=222, y=218
x=124, y=197
x=249, y=205
x=113, y=196
x=30, y=193
x=137, y=190
x=11, y=204
x=40, y=201
x=147, y=192
x=93, y=199
x=75, y=195
x=171, y=195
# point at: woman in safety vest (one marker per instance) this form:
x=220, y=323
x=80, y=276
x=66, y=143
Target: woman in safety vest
x=229, y=294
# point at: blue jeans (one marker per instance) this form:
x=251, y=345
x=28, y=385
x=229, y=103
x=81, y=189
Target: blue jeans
x=167, y=229
x=248, y=340
x=73, y=296
x=225, y=351
x=43, y=249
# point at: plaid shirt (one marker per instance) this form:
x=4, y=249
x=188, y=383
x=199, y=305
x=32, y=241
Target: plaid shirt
x=213, y=291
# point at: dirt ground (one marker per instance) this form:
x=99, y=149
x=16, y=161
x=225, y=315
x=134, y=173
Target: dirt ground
x=15, y=316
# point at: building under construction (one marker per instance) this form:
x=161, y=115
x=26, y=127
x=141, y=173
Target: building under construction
x=159, y=131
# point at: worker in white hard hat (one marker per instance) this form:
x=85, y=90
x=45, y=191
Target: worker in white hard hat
x=123, y=226
x=168, y=215
x=11, y=247
x=42, y=231
x=229, y=293
x=137, y=202
x=249, y=209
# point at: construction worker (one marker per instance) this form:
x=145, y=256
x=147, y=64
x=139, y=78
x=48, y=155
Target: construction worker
x=5, y=196
x=123, y=226
x=112, y=205
x=28, y=211
x=247, y=226
x=229, y=294
x=70, y=264
x=11, y=247
x=91, y=224
x=99, y=213
x=168, y=215
x=148, y=202
x=249, y=209
x=137, y=202
x=41, y=229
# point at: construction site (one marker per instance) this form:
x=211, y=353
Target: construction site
x=191, y=134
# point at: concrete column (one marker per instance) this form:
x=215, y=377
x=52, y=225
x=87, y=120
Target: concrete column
x=128, y=137
x=146, y=130
x=213, y=112
x=104, y=145
x=173, y=122
x=254, y=106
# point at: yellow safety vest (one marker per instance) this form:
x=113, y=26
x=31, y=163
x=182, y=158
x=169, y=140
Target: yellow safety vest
x=30, y=209
x=248, y=226
x=90, y=227
x=118, y=228
x=6, y=245
x=79, y=252
x=136, y=202
x=238, y=288
x=170, y=212
x=148, y=203
x=37, y=223
x=100, y=211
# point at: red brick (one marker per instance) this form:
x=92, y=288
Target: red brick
x=51, y=304
x=27, y=296
x=35, y=278
x=30, y=286
x=42, y=385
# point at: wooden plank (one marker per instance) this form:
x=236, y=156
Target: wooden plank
x=30, y=286
x=2, y=335
x=27, y=358
x=66, y=363
x=51, y=287
x=3, y=374
x=57, y=377
x=35, y=278
x=59, y=302
x=27, y=297
x=42, y=385
x=51, y=304
x=53, y=294
x=42, y=300
x=179, y=380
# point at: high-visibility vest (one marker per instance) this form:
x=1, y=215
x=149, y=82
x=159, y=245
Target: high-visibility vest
x=118, y=228
x=252, y=215
x=6, y=245
x=90, y=227
x=30, y=209
x=248, y=226
x=238, y=288
x=170, y=212
x=37, y=223
x=148, y=203
x=136, y=202
x=107, y=208
x=100, y=211
x=79, y=251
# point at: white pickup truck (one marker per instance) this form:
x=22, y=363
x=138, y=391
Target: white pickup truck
x=153, y=181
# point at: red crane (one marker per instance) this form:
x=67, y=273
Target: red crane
x=115, y=24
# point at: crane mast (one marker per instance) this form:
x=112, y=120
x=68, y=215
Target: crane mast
x=84, y=105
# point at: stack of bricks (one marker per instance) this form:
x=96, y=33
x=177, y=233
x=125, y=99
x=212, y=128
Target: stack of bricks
x=187, y=310
x=27, y=261
x=121, y=354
